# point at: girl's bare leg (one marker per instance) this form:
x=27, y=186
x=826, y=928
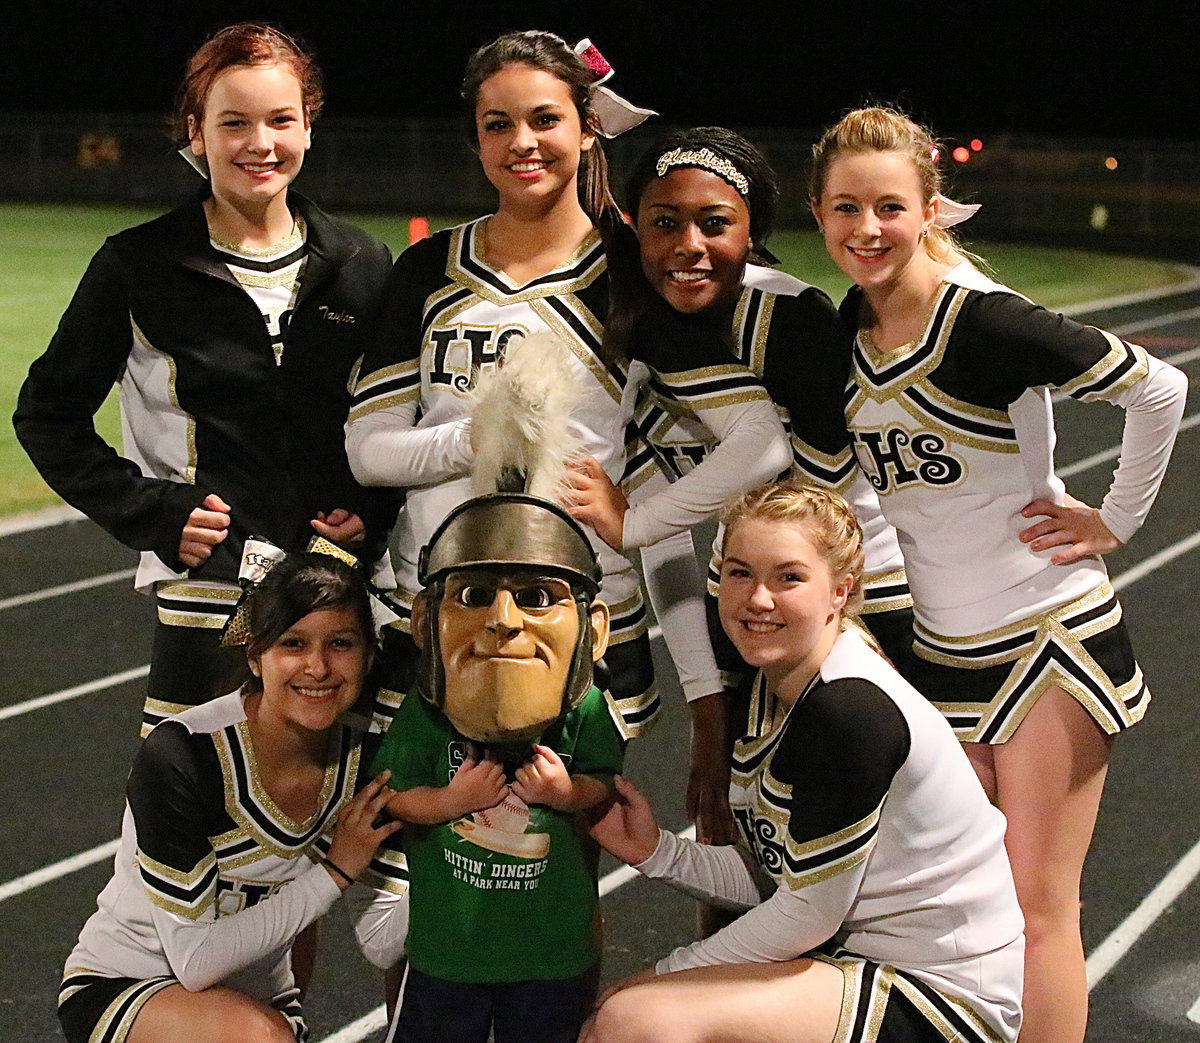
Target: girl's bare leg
x=795, y=1002
x=1048, y=780
x=216, y=1015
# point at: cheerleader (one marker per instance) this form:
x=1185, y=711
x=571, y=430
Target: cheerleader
x=548, y=259
x=1019, y=637
x=232, y=326
x=890, y=912
x=703, y=202
x=241, y=828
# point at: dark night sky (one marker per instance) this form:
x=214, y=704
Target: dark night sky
x=1064, y=68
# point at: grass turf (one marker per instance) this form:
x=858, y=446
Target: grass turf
x=44, y=250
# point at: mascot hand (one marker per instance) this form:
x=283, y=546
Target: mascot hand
x=544, y=780
x=477, y=786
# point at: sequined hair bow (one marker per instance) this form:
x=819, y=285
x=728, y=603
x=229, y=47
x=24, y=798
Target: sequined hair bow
x=614, y=114
x=258, y=558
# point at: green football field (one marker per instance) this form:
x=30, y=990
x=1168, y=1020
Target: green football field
x=45, y=248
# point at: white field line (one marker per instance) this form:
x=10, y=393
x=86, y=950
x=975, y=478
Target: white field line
x=42, y=701
x=65, y=588
x=58, y=869
x=1106, y=955
x=39, y=519
x=1112, y=453
x=376, y=1019
x=1127, y=328
x=1138, y=296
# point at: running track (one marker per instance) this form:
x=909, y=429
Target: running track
x=71, y=679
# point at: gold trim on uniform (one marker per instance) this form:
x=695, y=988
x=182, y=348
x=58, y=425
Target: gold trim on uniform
x=289, y=277
x=1119, y=352
x=159, y=709
x=117, y=1020
x=568, y=338
x=1029, y=626
x=200, y=900
x=378, y=376
x=629, y=631
x=388, y=884
x=621, y=711
x=794, y=852
x=938, y=1020
x=221, y=596
x=476, y=232
x=762, y=328
x=886, y=359
x=874, y=603
x=999, y=717
x=285, y=246
x=400, y=398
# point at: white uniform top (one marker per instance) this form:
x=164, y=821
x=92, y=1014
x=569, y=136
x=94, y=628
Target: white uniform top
x=955, y=431
x=861, y=807
x=788, y=334
x=212, y=882
x=448, y=315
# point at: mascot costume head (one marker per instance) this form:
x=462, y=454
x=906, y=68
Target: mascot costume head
x=508, y=620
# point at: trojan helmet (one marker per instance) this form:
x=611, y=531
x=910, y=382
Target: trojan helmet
x=504, y=532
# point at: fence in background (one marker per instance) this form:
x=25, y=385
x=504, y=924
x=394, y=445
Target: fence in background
x=1117, y=195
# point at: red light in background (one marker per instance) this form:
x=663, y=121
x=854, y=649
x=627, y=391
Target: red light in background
x=936, y=154
x=976, y=145
x=960, y=154
x=1110, y=163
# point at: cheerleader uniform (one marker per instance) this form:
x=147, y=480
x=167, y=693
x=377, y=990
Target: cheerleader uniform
x=956, y=433
x=788, y=334
x=212, y=882
x=881, y=856
x=448, y=315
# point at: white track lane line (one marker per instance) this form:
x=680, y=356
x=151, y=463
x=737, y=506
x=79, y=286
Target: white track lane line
x=111, y=681
x=66, y=588
x=1159, y=320
x=376, y=1019
x=1112, y=453
x=1139, y=296
x=1107, y=954
x=59, y=869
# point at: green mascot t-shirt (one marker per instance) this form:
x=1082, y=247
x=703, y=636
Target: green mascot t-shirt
x=507, y=894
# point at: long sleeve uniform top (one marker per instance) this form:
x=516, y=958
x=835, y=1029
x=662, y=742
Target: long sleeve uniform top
x=212, y=881
x=860, y=808
x=955, y=430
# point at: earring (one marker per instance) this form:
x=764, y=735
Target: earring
x=924, y=233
